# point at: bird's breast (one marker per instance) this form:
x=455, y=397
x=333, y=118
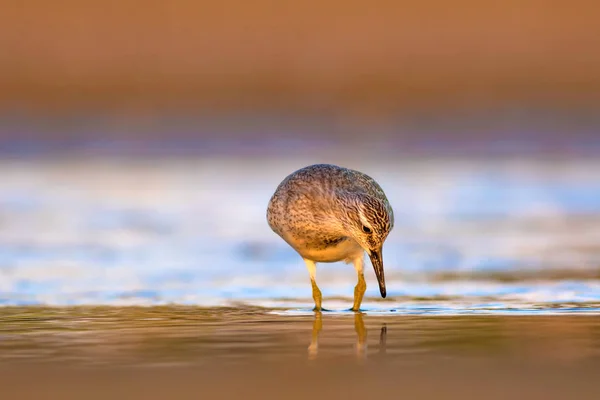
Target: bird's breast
x=327, y=249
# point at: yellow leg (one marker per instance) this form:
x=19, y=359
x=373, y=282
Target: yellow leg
x=316, y=293
x=361, y=286
x=359, y=292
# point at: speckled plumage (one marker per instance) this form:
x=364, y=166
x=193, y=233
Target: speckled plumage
x=329, y=213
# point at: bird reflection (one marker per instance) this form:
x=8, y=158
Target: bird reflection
x=313, y=349
x=361, y=337
x=360, y=349
x=383, y=340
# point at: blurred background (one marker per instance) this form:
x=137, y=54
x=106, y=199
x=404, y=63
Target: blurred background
x=140, y=143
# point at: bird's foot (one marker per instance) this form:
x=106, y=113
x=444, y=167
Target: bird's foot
x=320, y=309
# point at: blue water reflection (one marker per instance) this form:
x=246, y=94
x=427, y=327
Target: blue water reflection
x=506, y=233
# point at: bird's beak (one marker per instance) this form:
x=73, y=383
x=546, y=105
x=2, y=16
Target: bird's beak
x=377, y=261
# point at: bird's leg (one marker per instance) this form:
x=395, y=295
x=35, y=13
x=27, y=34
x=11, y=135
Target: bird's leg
x=316, y=293
x=361, y=286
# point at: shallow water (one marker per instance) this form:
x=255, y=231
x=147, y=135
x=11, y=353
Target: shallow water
x=475, y=236
x=248, y=352
x=188, y=336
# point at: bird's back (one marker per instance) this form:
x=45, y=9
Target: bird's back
x=307, y=196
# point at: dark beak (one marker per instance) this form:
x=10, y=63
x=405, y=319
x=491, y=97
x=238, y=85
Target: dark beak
x=377, y=261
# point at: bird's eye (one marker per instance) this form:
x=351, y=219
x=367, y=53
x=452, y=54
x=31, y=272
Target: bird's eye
x=366, y=229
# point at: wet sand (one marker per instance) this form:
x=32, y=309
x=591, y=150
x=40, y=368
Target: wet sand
x=192, y=352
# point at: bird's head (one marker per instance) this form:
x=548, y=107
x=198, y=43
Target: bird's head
x=369, y=220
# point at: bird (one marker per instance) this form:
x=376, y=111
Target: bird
x=328, y=213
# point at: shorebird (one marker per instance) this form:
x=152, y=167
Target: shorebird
x=329, y=213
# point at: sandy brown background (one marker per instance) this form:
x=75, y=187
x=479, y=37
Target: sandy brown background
x=331, y=53
x=462, y=71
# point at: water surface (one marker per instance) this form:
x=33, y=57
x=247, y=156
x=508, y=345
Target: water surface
x=249, y=352
x=504, y=235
